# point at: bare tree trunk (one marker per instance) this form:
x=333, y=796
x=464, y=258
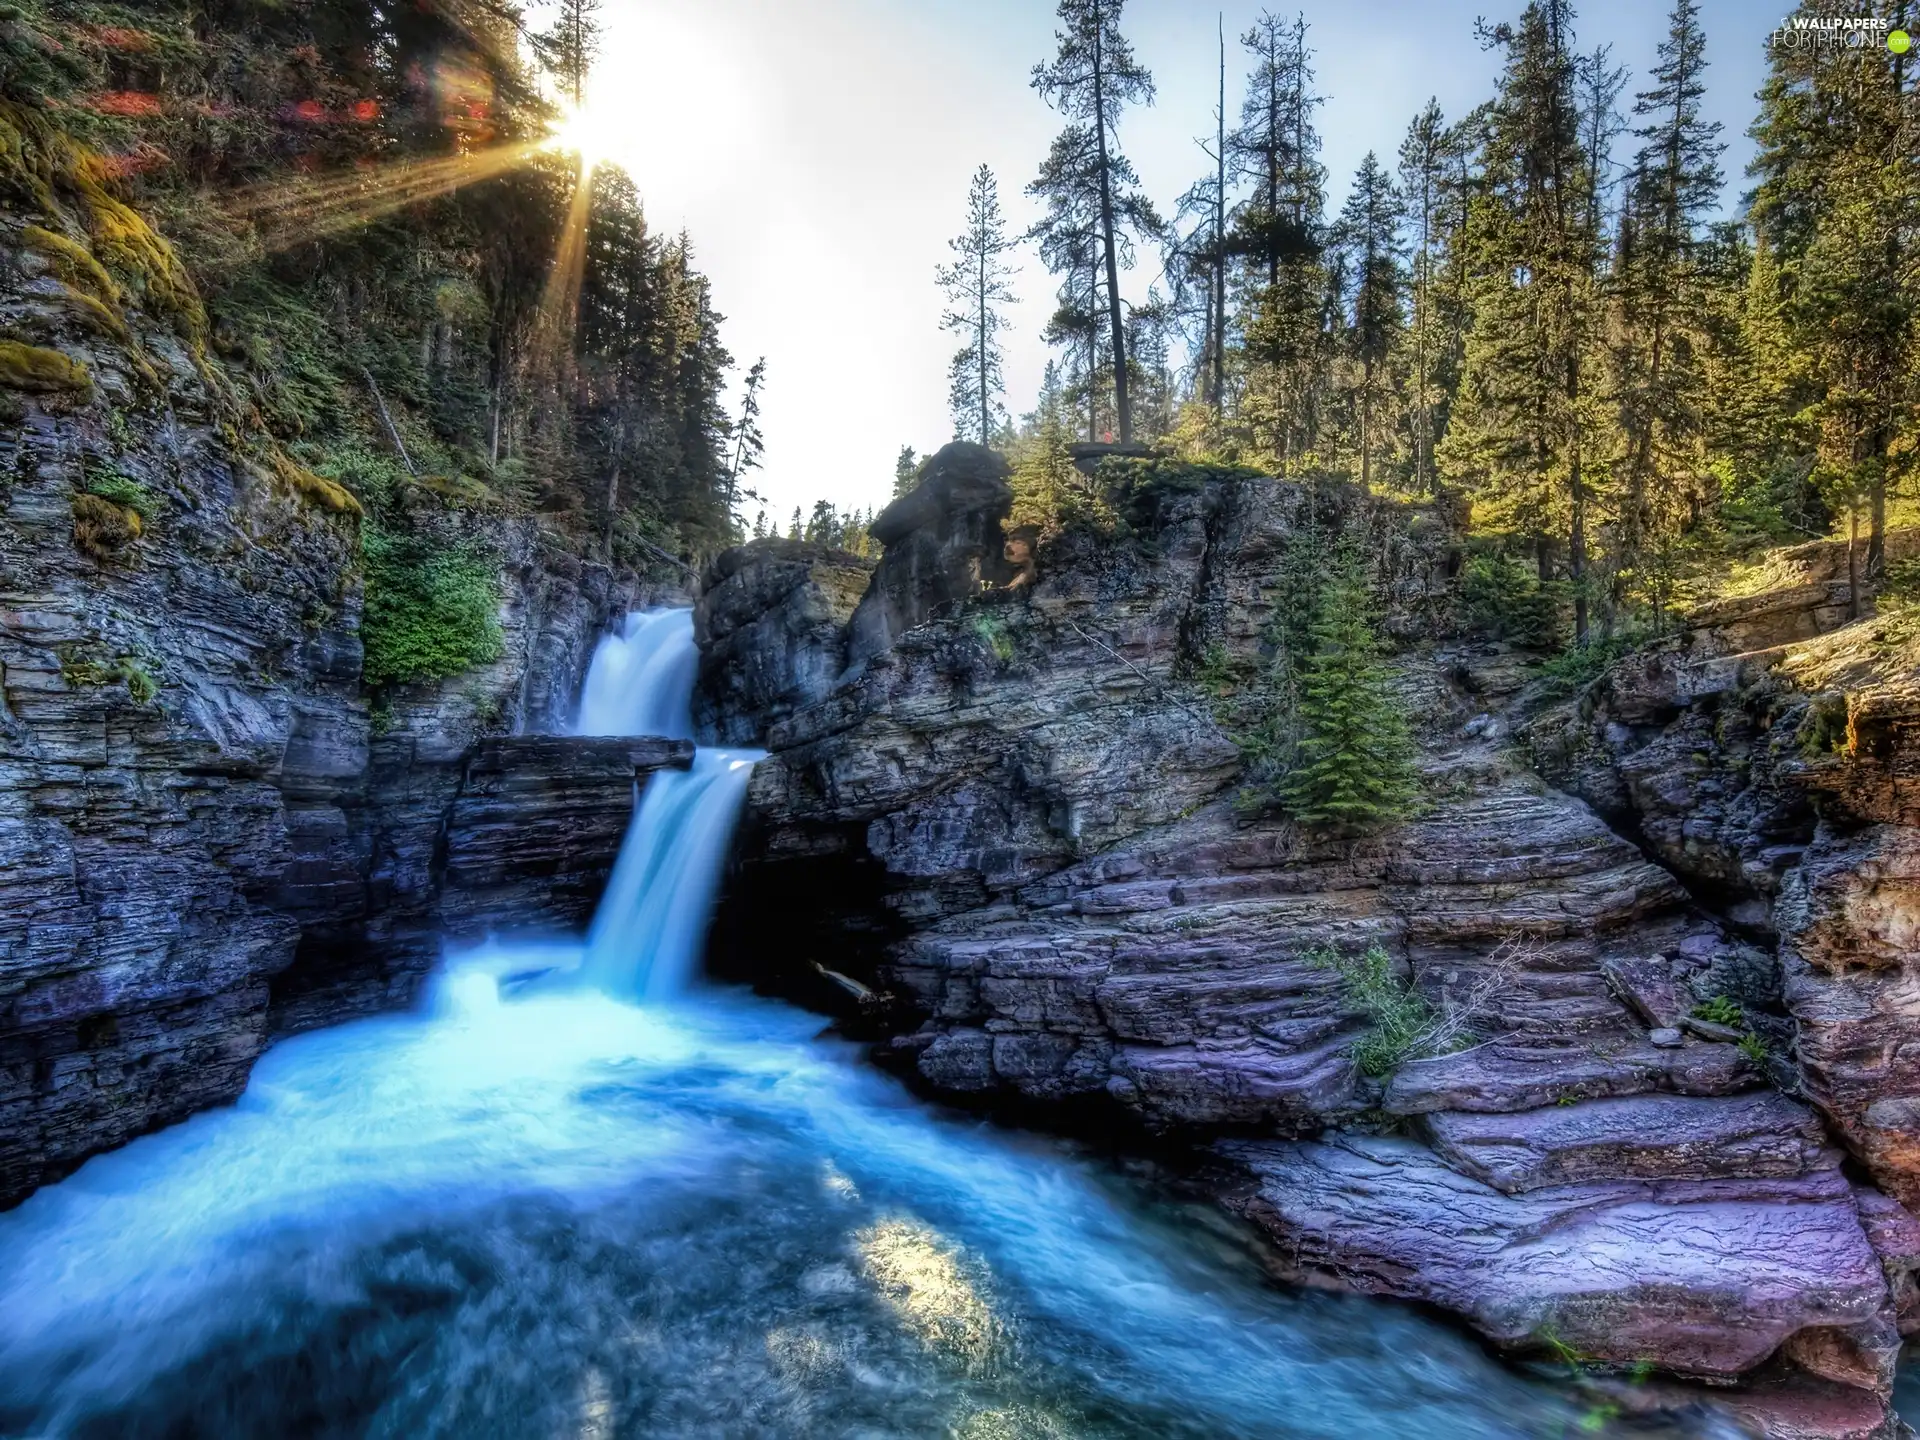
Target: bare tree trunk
x=1122, y=403
x=1853, y=567
x=1217, y=295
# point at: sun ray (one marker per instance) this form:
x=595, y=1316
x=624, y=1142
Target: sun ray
x=291, y=212
x=560, y=301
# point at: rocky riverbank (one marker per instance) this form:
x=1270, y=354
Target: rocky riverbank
x=1012, y=811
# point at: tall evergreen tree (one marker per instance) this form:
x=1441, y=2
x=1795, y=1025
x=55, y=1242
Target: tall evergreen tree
x=1091, y=81
x=1664, y=306
x=1354, y=765
x=1369, y=235
x=1838, y=200
x=976, y=289
x=1278, y=232
x=1429, y=156
x=570, y=45
x=748, y=443
x=906, y=471
x=1519, y=433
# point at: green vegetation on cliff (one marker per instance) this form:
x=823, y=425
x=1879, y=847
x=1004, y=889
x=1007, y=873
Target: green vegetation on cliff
x=352, y=219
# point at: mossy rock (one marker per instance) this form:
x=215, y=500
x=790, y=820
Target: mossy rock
x=103, y=529
x=39, y=371
x=128, y=242
x=315, y=489
x=459, y=492
x=73, y=263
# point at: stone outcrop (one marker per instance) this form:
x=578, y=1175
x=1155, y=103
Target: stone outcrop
x=205, y=836
x=1013, y=815
x=771, y=623
x=943, y=543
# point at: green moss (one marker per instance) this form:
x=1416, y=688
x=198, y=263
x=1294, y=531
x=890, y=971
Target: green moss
x=431, y=611
x=39, y=371
x=315, y=489
x=88, y=671
x=73, y=263
x=991, y=631
x=125, y=240
x=124, y=491
x=103, y=529
x=1826, y=728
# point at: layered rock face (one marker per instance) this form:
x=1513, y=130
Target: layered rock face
x=1773, y=761
x=200, y=823
x=1018, y=818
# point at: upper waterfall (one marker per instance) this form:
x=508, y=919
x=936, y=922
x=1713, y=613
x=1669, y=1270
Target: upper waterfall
x=640, y=681
x=648, y=931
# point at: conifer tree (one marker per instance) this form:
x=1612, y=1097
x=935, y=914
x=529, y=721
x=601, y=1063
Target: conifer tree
x=976, y=289
x=906, y=471
x=1839, y=200
x=748, y=443
x=570, y=45
x=1664, y=305
x=1428, y=159
x=1519, y=432
x=1091, y=81
x=1278, y=232
x=1369, y=235
x=1354, y=764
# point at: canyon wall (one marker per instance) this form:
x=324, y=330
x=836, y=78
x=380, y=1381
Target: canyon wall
x=1011, y=829
x=206, y=837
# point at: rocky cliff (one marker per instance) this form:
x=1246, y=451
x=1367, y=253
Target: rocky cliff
x=1011, y=818
x=205, y=836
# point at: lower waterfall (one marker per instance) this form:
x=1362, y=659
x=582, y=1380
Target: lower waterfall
x=537, y=1209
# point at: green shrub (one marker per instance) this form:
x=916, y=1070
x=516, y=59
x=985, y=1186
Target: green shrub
x=1720, y=1010
x=1824, y=729
x=1580, y=665
x=431, y=611
x=124, y=491
x=371, y=475
x=1399, y=1019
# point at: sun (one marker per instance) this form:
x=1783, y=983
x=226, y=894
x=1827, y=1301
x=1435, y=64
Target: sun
x=581, y=132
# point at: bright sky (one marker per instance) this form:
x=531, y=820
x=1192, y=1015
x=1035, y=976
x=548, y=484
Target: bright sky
x=818, y=152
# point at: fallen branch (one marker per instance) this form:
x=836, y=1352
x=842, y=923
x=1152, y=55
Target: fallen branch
x=393, y=431
x=1145, y=678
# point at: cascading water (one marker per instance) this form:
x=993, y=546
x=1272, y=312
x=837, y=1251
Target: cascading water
x=557, y=1213
x=641, y=679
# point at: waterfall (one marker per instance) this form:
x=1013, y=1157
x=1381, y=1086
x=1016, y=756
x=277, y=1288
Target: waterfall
x=641, y=679
x=646, y=936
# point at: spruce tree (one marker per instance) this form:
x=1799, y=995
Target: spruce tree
x=1091, y=81
x=570, y=45
x=1354, y=764
x=1518, y=436
x=1368, y=234
x=1839, y=200
x=1664, y=308
x=1428, y=159
x=1277, y=231
x=976, y=289
x=906, y=471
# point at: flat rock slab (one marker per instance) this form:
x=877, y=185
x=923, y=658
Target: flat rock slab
x=1644, y=1137
x=1703, y=1278
x=1505, y=1076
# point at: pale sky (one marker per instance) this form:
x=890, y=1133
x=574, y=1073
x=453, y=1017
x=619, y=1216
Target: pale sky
x=818, y=152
